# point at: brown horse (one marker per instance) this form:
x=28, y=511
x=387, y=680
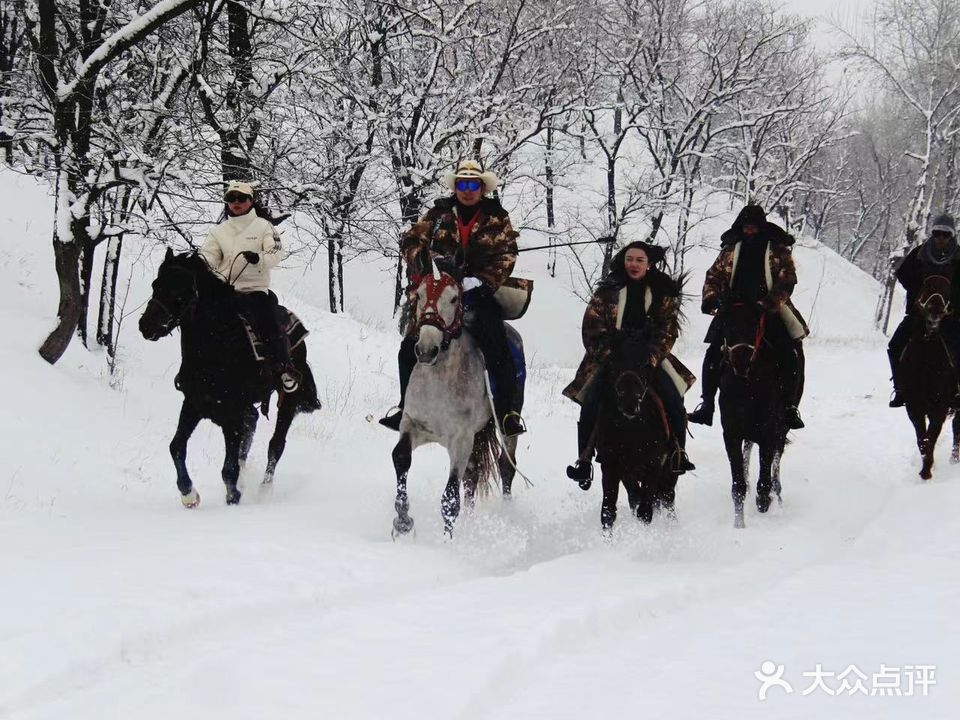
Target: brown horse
x=633, y=437
x=927, y=370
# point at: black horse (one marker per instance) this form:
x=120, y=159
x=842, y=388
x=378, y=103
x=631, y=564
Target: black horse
x=752, y=402
x=927, y=371
x=220, y=376
x=633, y=437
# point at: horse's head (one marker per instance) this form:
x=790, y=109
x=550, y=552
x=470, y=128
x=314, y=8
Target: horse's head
x=174, y=295
x=933, y=302
x=744, y=325
x=439, y=314
x=627, y=372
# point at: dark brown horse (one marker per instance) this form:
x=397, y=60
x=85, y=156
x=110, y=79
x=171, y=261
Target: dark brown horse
x=927, y=370
x=752, y=403
x=633, y=437
x=219, y=376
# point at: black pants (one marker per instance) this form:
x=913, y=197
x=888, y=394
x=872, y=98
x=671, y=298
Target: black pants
x=791, y=361
x=486, y=327
x=263, y=313
x=669, y=395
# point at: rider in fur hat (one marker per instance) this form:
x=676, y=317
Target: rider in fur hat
x=755, y=264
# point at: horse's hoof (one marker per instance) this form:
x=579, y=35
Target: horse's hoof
x=233, y=497
x=763, y=503
x=585, y=484
x=925, y=474
x=401, y=526
x=191, y=499
x=738, y=522
x=955, y=457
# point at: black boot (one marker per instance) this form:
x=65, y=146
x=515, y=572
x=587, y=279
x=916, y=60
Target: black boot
x=791, y=415
x=793, y=380
x=703, y=415
x=680, y=462
x=582, y=469
x=512, y=424
x=406, y=361
x=897, y=400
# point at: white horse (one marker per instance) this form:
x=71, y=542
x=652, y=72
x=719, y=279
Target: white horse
x=447, y=402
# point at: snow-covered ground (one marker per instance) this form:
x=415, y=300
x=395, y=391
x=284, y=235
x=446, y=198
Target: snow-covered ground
x=117, y=603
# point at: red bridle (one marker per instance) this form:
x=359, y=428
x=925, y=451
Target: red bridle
x=430, y=314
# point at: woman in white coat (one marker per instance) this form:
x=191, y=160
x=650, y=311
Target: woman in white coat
x=241, y=250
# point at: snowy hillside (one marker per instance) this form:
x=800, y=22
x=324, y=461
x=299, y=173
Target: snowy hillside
x=117, y=603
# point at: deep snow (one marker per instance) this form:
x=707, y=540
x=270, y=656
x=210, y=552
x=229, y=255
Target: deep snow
x=117, y=603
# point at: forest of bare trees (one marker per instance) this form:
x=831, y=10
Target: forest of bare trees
x=345, y=113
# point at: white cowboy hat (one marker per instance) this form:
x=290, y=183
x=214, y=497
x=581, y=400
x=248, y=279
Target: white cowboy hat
x=472, y=169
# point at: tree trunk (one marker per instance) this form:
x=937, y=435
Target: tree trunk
x=331, y=274
x=87, y=254
x=551, y=219
x=108, y=297
x=340, y=269
x=67, y=263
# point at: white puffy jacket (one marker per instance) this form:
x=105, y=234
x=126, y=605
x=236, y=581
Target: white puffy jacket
x=236, y=235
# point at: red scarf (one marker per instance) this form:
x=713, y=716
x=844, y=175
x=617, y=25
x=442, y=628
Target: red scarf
x=466, y=229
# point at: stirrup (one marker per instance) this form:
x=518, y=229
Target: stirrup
x=680, y=461
x=392, y=419
x=289, y=381
x=520, y=425
x=703, y=415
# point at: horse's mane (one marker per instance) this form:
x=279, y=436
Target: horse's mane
x=207, y=279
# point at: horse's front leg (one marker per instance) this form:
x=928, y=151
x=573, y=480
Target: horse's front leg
x=775, y=471
x=460, y=451
x=506, y=462
x=189, y=418
x=402, y=458
x=249, y=430
x=764, y=482
x=919, y=421
x=232, y=436
x=610, y=482
x=286, y=411
x=955, y=452
x=930, y=443
x=738, y=489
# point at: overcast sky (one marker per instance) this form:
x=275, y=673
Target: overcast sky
x=848, y=13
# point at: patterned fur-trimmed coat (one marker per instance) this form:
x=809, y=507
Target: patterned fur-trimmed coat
x=601, y=328
x=490, y=254
x=780, y=279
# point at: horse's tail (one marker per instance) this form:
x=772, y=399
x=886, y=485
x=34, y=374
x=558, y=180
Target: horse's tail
x=485, y=458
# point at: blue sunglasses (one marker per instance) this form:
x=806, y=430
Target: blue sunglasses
x=471, y=185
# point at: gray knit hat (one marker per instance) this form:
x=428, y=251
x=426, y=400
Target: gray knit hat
x=944, y=223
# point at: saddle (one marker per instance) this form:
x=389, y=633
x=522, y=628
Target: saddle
x=290, y=325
